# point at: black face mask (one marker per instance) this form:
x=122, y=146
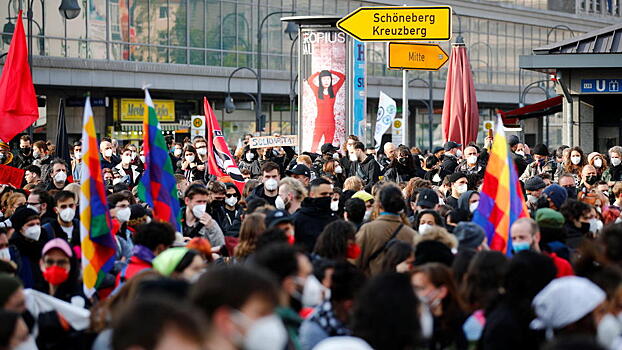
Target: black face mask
x=585, y=227
x=542, y=202
x=402, y=160
x=572, y=192
x=322, y=202
x=591, y=179
x=25, y=150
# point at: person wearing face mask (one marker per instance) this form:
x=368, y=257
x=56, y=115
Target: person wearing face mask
x=67, y=225
x=60, y=272
x=215, y=205
x=269, y=187
x=201, y=146
x=426, y=219
x=125, y=168
x=58, y=175
x=239, y=304
x=332, y=317
x=120, y=212
x=541, y=163
x=614, y=172
x=575, y=163
x=22, y=156
x=577, y=226
x=401, y=168
x=196, y=222
x=518, y=156
x=459, y=185
x=40, y=153
x=29, y=241
x=315, y=213
x=450, y=157
x=435, y=287
x=301, y=173
x=470, y=164
x=588, y=186
x=525, y=235
x=534, y=187
x=567, y=181
x=291, y=195
x=363, y=165
x=188, y=166
x=333, y=170
x=598, y=161
x=176, y=154
x=250, y=162
x=76, y=161
x=291, y=269
x=432, y=168
x=108, y=159
x=149, y=241
x=233, y=210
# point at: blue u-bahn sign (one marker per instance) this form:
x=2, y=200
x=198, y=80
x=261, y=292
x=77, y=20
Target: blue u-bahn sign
x=601, y=85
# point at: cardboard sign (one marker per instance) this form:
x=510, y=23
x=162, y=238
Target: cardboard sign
x=11, y=176
x=274, y=141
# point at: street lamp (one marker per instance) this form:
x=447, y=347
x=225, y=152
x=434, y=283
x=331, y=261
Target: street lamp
x=260, y=119
x=547, y=92
x=429, y=104
x=69, y=9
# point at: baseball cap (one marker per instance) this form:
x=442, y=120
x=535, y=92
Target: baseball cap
x=299, y=169
x=534, y=183
x=57, y=243
x=276, y=217
x=328, y=148
x=513, y=140
x=427, y=198
x=437, y=149
x=450, y=145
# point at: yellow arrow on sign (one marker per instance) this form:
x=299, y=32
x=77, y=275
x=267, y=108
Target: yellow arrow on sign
x=416, y=56
x=398, y=23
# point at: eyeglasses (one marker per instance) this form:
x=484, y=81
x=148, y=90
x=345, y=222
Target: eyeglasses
x=229, y=195
x=33, y=203
x=59, y=262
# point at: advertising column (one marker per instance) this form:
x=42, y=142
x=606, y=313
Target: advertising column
x=323, y=88
x=359, y=90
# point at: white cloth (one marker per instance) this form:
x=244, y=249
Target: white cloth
x=387, y=108
x=343, y=343
x=564, y=301
x=37, y=302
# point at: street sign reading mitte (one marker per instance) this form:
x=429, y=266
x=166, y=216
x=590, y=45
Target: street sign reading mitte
x=398, y=23
x=416, y=56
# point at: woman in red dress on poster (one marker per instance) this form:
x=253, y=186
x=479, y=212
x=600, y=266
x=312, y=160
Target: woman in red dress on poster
x=325, y=92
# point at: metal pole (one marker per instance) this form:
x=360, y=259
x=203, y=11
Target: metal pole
x=430, y=106
x=405, y=124
x=259, y=42
x=29, y=17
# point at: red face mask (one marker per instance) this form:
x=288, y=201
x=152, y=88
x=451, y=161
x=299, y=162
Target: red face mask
x=353, y=251
x=291, y=239
x=55, y=275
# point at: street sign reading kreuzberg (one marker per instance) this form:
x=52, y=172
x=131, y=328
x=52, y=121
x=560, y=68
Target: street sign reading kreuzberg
x=416, y=56
x=397, y=23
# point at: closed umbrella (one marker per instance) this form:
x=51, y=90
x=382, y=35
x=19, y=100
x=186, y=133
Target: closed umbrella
x=460, y=112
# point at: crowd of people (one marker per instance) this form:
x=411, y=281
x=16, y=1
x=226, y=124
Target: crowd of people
x=353, y=248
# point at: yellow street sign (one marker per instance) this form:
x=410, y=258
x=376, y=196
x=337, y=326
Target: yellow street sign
x=416, y=56
x=398, y=23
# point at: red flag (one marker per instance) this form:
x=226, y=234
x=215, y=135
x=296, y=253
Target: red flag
x=18, y=102
x=219, y=159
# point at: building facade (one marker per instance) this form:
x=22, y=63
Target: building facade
x=186, y=49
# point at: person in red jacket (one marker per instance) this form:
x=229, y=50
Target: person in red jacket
x=150, y=240
x=526, y=236
x=325, y=91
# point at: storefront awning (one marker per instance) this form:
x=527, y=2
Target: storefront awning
x=536, y=110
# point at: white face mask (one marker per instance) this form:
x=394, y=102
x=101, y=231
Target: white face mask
x=334, y=205
x=575, y=160
x=314, y=292
x=108, y=153
x=177, y=152
x=367, y=215
x=33, y=232
x=353, y=157
x=473, y=206
x=60, y=176
x=231, y=201
x=436, y=178
x=77, y=155
x=462, y=188
x=5, y=254
x=142, y=158
x=279, y=203
x=190, y=158
x=335, y=155
x=520, y=153
x=338, y=169
x=117, y=181
x=198, y=210
x=262, y=334
x=424, y=228
x=271, y=184
x=134, y=155
x=249, y=156
x=67, y=214
x=595, y=225
x=458, y=153
x=471, y=159
x=202, y=151
x=126, y=159
x=30, y=206
x=426, y=320
x=615, y=161
x=36, y=154
x=598, y=162
x=123, y=215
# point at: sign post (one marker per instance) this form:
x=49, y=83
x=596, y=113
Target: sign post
x=198, y=126
x=398, y=23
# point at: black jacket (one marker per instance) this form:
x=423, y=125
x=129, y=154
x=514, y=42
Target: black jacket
x=449, y=165
x=368, y=170
x=53, y=229
x=233, y=222
x=310, y=220
x=20, y=160
x=217, y=212
x=258, y=192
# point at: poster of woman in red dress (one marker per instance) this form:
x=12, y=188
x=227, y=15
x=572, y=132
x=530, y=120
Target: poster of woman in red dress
x=323, y=97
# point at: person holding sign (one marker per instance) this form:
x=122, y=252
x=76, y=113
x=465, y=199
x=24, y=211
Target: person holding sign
x=325, y=91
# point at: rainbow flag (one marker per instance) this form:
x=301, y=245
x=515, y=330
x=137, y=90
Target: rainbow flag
x=97, y=244
x=501, y=199
x=158, y=186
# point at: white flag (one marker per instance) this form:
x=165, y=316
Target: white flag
x=386, y=113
